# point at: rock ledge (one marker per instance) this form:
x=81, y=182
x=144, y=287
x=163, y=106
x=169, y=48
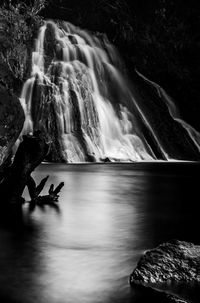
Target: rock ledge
x=172, y=267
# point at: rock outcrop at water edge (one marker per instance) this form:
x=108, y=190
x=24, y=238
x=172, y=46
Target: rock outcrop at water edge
x=172, y=267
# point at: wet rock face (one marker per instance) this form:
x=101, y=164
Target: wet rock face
x=172, y=267
x=11, y=122
x=171, y=135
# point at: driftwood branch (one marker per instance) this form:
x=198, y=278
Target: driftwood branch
x=35, y=191
x=30, y=154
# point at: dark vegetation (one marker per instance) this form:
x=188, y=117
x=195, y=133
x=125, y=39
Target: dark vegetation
x=19, y=24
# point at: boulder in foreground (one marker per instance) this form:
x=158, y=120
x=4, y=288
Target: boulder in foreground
x=172, y=267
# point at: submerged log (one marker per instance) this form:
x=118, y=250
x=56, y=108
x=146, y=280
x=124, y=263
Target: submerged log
x=29, y=155
x=35, y=191
x=172, y=267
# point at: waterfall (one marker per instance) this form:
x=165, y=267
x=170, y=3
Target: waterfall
x=77, y=96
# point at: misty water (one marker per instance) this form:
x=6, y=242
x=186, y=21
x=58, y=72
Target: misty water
x=79, y=98
x=85, y=249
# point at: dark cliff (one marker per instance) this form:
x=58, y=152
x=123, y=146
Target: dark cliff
x=11, y=123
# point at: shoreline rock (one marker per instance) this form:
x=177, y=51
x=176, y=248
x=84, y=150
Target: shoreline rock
x=172, y=267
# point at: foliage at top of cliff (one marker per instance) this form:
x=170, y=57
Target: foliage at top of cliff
x=19, y=23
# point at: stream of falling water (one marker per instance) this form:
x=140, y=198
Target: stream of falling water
x=88, y=94
x=79, y=96
x=192, y=132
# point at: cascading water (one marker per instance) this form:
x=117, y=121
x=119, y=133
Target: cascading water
x=77, y=96
x=80, y=98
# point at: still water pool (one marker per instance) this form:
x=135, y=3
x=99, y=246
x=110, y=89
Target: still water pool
x=84, y=250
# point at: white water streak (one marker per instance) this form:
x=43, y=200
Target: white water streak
x=192, y=132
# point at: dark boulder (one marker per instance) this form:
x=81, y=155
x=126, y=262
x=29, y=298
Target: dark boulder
x=172, y=267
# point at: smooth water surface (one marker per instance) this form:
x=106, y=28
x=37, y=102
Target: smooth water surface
x=85, y=249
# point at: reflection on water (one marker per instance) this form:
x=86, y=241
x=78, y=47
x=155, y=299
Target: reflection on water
x=108, y=215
